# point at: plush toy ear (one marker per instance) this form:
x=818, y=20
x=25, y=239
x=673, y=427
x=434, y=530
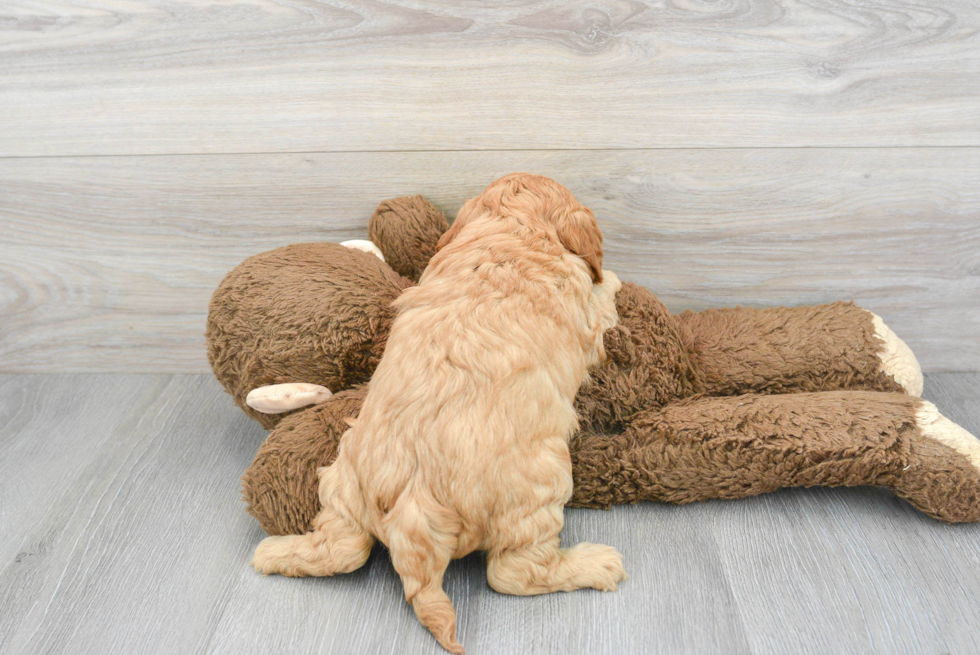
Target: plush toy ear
x=364, y=246
x=579, y=233
x=282, y=398
x=406, y=230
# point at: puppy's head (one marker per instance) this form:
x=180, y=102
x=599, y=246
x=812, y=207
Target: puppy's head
x=538, y=203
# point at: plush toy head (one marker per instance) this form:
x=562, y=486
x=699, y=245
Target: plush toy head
x=317, y=311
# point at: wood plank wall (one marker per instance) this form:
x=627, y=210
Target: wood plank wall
x=735, y=151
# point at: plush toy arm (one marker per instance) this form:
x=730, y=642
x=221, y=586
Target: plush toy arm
x=734, y=447
x=784, y=350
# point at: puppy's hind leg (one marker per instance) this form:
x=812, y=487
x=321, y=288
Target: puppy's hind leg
x=541, y=567
x=336, y=545
x=420, y=553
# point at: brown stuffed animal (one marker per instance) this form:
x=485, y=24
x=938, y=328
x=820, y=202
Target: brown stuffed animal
x=724, y=403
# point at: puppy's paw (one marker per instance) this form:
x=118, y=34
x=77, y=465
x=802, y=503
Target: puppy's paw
x=599, y=567
x=274, y=555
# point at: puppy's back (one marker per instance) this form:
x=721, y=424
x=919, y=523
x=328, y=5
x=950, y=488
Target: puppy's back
x=478, y=355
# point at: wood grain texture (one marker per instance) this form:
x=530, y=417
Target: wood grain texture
x=139, y=537
x=137, y=542
x=51, y=431
x=144, y=76
x=107, y=263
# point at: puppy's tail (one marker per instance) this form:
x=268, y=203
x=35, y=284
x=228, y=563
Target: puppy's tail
x=421, y=545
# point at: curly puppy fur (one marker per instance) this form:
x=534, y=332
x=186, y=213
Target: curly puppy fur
x=462, y=440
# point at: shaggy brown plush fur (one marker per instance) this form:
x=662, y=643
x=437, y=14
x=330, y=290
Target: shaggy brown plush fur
x=742, y=446
x=647, y=365
x=651, y=429
x=782, y=350
x=407, y=230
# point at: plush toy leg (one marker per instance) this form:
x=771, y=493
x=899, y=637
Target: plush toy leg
x=696, y=450
x=741, y=446
x=784, y=350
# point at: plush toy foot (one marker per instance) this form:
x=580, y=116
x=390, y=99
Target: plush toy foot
x=943, y=477
x=897, y=359
x=936, y=426
x=748, y=445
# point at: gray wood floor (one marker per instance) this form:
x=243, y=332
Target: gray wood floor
x=123, y=532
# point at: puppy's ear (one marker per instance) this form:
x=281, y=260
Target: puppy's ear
x=579, y=233
x=465, y=214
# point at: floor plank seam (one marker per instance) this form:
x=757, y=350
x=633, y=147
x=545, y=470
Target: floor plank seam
x=258, y=153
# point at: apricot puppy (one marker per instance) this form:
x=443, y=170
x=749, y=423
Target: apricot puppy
x=462, y=441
